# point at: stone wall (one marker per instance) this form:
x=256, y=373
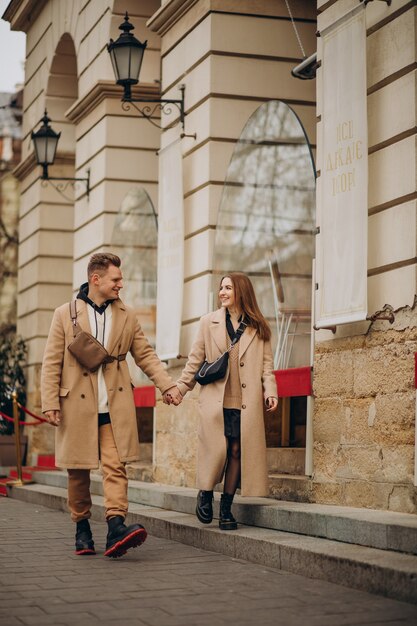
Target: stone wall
x=175, y=446
x=364, y=417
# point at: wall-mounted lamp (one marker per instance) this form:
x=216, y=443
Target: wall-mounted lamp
x=126, y=55
x=45, y=141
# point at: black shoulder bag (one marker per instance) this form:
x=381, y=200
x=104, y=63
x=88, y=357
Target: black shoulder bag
x=210, y=372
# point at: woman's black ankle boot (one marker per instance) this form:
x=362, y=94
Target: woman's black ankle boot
x=204, y=508
x=226, y=519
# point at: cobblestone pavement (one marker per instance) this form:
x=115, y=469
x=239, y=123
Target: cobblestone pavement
x=163, y=583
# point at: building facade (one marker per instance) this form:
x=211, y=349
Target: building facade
x=10, y=151
x=233, y=59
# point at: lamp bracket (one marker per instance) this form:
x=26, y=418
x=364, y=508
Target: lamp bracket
x=147, y=111
x=151, y=105
x=65, y=182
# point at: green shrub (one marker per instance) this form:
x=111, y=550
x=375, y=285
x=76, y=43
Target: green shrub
x=13, y=353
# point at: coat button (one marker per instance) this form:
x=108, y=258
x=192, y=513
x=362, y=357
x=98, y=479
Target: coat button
x=120, y=388
x=243, y=385
x=243, y=406
x=83, y=395
x=242, y=364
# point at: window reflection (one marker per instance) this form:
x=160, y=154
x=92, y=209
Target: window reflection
x=135, y=239
x=265, y=225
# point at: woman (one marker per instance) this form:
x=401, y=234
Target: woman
x=231, y=432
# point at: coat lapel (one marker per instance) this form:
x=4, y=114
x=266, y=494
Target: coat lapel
x=218, y=329
x=245, y=340
x=119, y=317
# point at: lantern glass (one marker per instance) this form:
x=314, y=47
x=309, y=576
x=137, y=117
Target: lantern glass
x=51, y=146
x=127, y=61
x=126, y=55
x=40, y=149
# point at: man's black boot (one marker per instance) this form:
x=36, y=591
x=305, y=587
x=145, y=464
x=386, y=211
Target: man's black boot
x=84, y=543
x=204, y=508
x=121, y=538
x=226, y=519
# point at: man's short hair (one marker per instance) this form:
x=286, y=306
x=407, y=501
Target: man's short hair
x=100, y=262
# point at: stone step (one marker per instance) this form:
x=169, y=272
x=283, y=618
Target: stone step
x=385, y=530
x=290, y=488
x=286, y=461
x=369, y=569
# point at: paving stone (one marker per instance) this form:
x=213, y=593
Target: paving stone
x=166, y=583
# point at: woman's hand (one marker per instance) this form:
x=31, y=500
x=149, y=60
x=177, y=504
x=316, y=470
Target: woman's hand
x=53, y=417
x=172, y=396
x=271, y=403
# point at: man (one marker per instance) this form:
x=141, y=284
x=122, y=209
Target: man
x=94, y=412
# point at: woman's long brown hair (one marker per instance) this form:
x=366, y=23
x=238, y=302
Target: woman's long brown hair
x=245, y=300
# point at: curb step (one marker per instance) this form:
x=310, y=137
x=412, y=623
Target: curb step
x=47, y=462
x=369, y=569
x=385, y=530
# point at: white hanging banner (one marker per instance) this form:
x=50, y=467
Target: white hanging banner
x=342, y=197
x=170, y=252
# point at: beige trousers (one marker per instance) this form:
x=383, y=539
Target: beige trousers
x=114, y=482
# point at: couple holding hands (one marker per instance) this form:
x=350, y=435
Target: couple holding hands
x=94, y=413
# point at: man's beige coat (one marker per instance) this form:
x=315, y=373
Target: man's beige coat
x=67, y=386
x=258, y=384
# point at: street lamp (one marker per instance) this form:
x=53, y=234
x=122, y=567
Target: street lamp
x=45, y=141
x=126, y=55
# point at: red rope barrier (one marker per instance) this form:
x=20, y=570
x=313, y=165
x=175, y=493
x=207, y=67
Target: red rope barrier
x=10, y=419
x=25, y=410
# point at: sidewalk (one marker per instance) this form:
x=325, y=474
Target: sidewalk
x=163, y=583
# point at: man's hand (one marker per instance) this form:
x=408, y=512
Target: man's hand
x=53, y=417
x=271, y=403
x=172, y=396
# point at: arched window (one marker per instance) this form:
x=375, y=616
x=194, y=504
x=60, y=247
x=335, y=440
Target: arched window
x=265, y=228
x=135, y=238
x=266, y=225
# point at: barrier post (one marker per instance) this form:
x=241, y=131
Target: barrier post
x=19, y=480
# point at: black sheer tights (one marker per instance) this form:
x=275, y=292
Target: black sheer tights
x=232, y=477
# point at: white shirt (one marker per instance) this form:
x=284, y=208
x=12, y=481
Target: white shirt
x=101, y=324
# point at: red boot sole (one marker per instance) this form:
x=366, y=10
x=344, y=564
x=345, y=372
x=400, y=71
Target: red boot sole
x=134, y=540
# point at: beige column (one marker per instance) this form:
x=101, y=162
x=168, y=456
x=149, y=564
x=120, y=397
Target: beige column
x=231, y=57
x=68, y=70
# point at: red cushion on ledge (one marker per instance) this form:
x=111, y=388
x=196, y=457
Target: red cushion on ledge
x=295, y=381
x=144, y=396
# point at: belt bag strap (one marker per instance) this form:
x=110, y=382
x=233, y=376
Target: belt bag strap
x=77, y=330
x=119, y=357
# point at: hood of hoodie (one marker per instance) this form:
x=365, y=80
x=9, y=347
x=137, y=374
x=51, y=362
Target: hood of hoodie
x=83, y=295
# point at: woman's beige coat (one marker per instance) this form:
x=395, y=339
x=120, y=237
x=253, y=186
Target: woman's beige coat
x=258, y=384
x=69, y=387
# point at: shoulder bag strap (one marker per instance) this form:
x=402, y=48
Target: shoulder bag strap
x=238, y=334
x=73, y=314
